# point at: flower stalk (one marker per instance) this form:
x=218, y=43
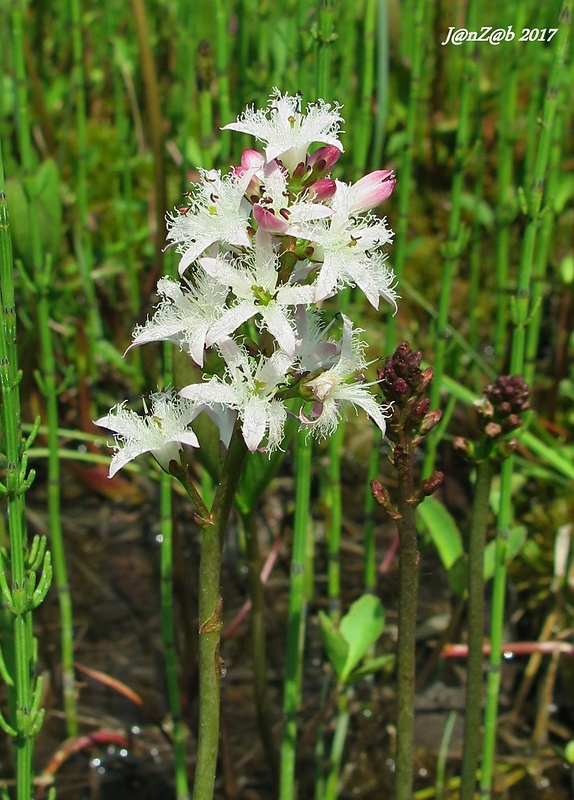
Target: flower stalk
x=405, y=385
x=501, y=407
x=210, y=619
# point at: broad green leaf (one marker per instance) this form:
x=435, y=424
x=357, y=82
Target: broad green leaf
x=458, y=573
x=458, y=576
x=360, y=628
x=443, y=531
x=370, y=667
x=335, y=645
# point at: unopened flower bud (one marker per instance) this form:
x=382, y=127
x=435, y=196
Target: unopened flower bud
x=400, y=386
x=372, y=190
x=251, y=160
x=430, y=420
x=323, y=189
x=381, y=496
x=511, y=422
x=484, y=407
x=422, y=407
x=323, y=159
x=426, y=488
x=430, y=485
x=492, y=430
x=426, y=378
x=507, y=447
x=508, y=394
x=463, y=446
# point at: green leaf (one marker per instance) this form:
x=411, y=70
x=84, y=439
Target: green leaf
x=360, y=628
x=335, y=645
x=443, y=531
x=458, y=576
x=370, y=667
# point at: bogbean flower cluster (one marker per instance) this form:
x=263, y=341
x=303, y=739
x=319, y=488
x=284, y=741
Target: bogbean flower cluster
x=260, y=248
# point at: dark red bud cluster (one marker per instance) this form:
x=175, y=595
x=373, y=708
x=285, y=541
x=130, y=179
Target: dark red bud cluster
x=404, y=383
x=401, y=375
x=505, y=400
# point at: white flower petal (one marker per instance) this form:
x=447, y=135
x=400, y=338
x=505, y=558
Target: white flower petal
x=254, y=423
x=279, y=326
x=230, y=321
x=288, y=132
x=161, y=431
x=218, y=212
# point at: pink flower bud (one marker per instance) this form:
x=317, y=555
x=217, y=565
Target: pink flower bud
x=251, y=159
x=323, y=189
x=324, y=158
x=372, y=190
x=268, y=221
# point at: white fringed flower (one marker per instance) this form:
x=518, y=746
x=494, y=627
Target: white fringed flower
x=286, y=131
x=336, y=388
x=184, y=316
x=250, y=388
x=348, y=247
x=256, y=294
x=162, y=431
x=219, y=212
